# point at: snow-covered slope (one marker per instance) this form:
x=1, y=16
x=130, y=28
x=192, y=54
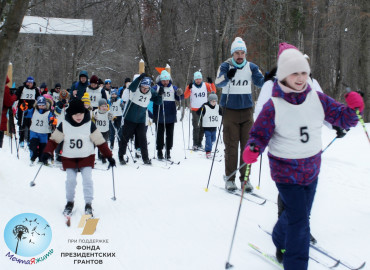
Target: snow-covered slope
x=164, y=219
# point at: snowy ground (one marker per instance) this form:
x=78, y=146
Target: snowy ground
x=164, y=219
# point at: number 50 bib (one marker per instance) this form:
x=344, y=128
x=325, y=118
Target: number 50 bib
x=77, y=143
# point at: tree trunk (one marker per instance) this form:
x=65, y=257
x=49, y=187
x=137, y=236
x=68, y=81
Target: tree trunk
x=8, y=37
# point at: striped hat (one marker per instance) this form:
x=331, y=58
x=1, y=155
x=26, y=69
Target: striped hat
x=86, y=99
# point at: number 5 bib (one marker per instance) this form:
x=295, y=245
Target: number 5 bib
x=77, y=143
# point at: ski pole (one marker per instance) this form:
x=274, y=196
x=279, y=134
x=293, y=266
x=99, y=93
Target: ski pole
x=183, y=135
x=259, y=177
x=114, y=189
x=32, y=184
x=329, y=144
x=189, y=129
x=226, y=178
x=362, y=123
x=165, y=134
x=156, y=131
x=228, y=265
x=200, y=117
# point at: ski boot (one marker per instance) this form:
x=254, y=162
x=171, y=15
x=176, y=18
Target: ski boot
x=280, y=255
x=230, y=185
x=147, y=162
x=160, y=154
x=208, y=155
x=247, y=186
x=104, y=160
x=122, y=161
x=168, y=154
x=68, y=209
x=88, y=209
x=138, y=153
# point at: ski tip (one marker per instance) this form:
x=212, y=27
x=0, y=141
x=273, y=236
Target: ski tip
x=206, y=189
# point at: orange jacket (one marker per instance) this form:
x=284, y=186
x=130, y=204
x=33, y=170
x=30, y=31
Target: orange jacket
x=210, y=88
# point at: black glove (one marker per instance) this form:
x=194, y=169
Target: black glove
x=142, y=75
x=231, y=73
x=209, y=80
x=190, y=85
x=112, y=162
x=270, y=75
x=161, y=91
x=340, y=132
x=45, y=157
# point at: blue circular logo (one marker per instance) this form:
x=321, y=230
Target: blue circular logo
x=27, y=235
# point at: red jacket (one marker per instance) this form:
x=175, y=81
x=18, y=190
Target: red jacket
x=7, y=103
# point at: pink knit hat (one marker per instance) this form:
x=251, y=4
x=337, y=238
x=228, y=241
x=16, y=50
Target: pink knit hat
x=283, y=46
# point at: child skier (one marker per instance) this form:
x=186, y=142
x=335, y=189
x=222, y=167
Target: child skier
x=290, y=125
x=95, y=92
x=210, y=112
x=116, y=107
x=80, y=135
x=102, y=119
x=87, y=103
x=40, y=117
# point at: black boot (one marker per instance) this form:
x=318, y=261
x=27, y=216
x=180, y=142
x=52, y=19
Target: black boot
x=122, y=161
x=168, y=154
x=88, y=209
x=147, y=162
x=159, y=154
x=68, y=209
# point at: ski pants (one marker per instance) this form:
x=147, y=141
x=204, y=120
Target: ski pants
x=198, y=131
x=113, y=126
x=210, y=139
x=105, y=136
x=37, y=144
x=237, y=124
x=292, y=230
x=129, y=129
x=88, y=187
x=169, y=136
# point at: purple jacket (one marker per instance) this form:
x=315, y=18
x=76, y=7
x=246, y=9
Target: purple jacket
x=296, y=171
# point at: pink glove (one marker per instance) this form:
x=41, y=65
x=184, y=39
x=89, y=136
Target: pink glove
x=354, y=100
x=250, y=156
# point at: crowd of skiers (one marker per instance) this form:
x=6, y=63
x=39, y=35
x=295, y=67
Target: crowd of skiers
x=289, y=114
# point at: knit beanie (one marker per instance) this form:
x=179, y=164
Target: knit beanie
x=283, y=46
x=146, y=81
x=127, y=80
x=165, y=76
x=114, y=92
x=238, y=45
x=63, y=94
x=86, y=98
x=102, y=101
x=30, y=79
x=212, y=97
x=100, y=81
x=290, y=61
x=108, y=81
x=75, y=106
x=41, y=100
x=57, y=85
x=198, y=75
x=94, y=79
x=43, y=85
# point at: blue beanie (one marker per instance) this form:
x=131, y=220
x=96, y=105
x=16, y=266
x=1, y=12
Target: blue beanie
x=165, y=76
x=30, y=79
x=198, y=75
x=107, y=81
x=43, y=85
x=41, y=100
x=146, y=81
x=114, y=92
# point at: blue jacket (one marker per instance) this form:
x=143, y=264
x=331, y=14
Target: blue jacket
x=239, y=101
x=79, y=86
x=135, y=113
x=170, y=110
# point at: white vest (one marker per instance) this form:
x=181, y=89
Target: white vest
x=297, y=132
x=95, y=96
x=169, y=93
x=141, y=99
x=101, y=121
x=241, y=83
x=211, y=118
x=40, y=122
x=55, y=97
x=29, y=94
x=77, y=142
x=116, y=108
x=198, y=96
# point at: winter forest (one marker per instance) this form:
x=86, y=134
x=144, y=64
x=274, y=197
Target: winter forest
x=193, y=35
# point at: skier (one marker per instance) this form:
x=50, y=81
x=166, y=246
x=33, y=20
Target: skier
x=87, y=103
x=197, y=92
x=102, y=117
x=43, y=89
x=107, y=88
x=60, y=111
x=210, y=112
x=116, y=106
x=235, y=76
x=95, y=92
x=55, y=92
x=80, y=135
x=167, y=121
x=26, y=96
x=79, y=88
x=8, y=101
x=135, y=115
x=124, y=87
x=290, y=125
x=41, y=117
